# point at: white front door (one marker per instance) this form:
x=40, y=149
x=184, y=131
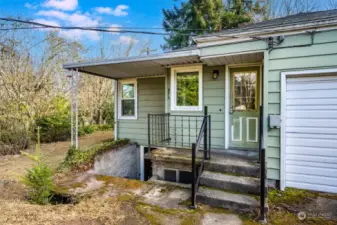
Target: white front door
x=310, y=135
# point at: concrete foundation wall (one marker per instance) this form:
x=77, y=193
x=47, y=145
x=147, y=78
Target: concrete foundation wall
x=123, y=162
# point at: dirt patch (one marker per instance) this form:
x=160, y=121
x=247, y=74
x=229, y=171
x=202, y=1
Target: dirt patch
x=54, y=153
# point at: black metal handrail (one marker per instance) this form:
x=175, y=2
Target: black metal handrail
x=263, y=177
x=204, y=134
x=170, y=130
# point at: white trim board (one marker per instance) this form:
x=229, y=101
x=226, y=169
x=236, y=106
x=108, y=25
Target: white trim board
x=173, y=94
x=120, y=83
x=284, y=76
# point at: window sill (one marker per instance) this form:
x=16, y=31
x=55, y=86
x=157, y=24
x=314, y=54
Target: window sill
x=128, y=118
x=187, y=109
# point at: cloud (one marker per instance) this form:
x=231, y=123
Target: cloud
x=115, y=28
x=72, y=19
x=53, y=13
x=30, y=6
x=75, y=19
x=120, y=10
x=79, y=34
x=47, y=22
x=66, y=5
x=127, y=40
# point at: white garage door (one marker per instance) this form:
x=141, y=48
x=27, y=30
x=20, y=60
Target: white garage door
x=311, y=133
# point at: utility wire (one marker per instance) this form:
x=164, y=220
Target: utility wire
x=99, y=29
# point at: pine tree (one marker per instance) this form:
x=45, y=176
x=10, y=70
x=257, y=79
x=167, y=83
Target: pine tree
x=197, y=17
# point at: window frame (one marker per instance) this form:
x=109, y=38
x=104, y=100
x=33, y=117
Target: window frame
x=173, y=92
x=120, y=91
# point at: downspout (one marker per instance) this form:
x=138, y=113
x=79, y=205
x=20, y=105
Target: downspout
x=116, y=109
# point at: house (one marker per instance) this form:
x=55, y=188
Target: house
x=270, y=85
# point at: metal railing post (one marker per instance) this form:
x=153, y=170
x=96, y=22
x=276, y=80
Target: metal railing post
x=209, y=138
x=205, y=133
x=149, y=133
x=263, y=184
x=194, y=177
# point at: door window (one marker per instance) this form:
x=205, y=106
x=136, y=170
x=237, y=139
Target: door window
x=244, y=91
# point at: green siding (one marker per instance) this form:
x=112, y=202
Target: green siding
x=293, y=54
x=151, y=99
x=322, y=54
x=214, y=98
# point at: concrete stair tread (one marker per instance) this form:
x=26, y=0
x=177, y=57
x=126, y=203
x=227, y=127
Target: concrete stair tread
x=234, y=165
x=219, y=198
x=242, y=184
x=234, y=161
x=230, y=178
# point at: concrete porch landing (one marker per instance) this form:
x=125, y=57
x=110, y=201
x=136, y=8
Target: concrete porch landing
x=178, y=155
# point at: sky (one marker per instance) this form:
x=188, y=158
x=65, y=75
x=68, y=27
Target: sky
x=107, y=13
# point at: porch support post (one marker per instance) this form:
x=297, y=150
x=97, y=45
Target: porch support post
x=77, y=78
x=71, y=81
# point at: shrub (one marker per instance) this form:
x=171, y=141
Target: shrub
x=39, y=178
x=56, y=126
x=13, y=137
x=83, y=160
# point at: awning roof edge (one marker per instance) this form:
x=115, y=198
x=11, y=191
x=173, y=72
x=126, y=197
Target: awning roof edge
x=185, y=53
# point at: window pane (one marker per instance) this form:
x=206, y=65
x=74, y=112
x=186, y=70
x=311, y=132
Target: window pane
x=128, y=91
x=188, y=89
x=128, y=107
x=244, y=90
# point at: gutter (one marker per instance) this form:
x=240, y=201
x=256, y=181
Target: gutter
x=266, y=31
x=78, y=65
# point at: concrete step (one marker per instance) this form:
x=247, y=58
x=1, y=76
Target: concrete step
x=240, y=184
x=235, y=202
x=233, y=165
x=248, y=154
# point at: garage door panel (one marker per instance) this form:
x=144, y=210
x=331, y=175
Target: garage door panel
x=328, y=123
x=297, y=161
x=322, y=180
x=308, y=86
x=314, y=102
x=313, y=187
x=311, y=170
x=311, y=94
x=311, y=133
x=307, y=152
x=311, y=130
x=305, y=142
x=311, y=107
x=312, y=136
x=316, y=114
x=311, y=79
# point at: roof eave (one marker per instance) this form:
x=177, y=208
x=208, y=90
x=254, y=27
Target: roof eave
x=77, y=65
x=263, y=32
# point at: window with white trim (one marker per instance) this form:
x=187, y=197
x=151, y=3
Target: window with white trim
x=186, y=88
x=127, y=93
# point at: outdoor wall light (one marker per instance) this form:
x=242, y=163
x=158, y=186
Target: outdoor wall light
x=215, y=74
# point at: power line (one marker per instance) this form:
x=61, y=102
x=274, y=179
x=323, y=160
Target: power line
x=37, y=25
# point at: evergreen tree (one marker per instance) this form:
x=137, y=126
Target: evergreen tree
x=197, y=17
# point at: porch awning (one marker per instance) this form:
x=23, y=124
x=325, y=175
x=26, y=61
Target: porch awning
x=136, y=66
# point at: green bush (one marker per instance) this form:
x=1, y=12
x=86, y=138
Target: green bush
x=13, y=137
x=83, y=160
x=56, y=126
x=39, y=179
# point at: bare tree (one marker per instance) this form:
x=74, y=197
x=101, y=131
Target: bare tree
x=281, y=8
x=332, y=4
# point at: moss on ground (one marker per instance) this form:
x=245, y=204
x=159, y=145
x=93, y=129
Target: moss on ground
x=121, y=182
x=289, y=196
